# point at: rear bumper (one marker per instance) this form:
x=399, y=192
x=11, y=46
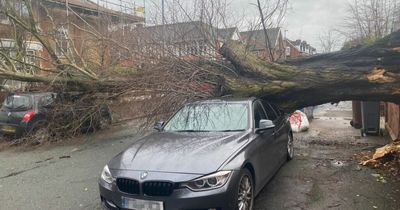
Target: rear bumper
x=181, y=199
x=12, y=129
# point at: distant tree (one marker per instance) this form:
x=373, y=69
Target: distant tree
x=329, y=41
x=370, y=20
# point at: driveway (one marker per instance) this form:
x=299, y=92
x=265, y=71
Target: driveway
x=323, y=174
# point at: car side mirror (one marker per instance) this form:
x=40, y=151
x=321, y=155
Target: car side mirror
x=265, y=125
x=159, y=125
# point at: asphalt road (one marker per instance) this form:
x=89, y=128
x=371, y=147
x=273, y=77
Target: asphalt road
x=322, y=175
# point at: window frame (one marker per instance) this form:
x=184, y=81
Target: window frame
x=255, y=123
x=62, y=37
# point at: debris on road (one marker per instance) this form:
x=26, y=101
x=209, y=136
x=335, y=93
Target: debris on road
x=387, y=150
x=338, y=163
x=386, y=158
x=65, y=157
x=379, y=178
x=299, y=122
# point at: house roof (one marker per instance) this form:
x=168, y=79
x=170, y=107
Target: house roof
x=256, y=38
x=299, y=43
x=227, y=33
x=90, y=6
x=187, y=31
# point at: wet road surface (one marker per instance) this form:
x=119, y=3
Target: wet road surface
x=323, y=174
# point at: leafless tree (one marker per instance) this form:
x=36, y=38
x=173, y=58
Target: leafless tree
x=271, y=15
x=329, y=41
x=370, y=20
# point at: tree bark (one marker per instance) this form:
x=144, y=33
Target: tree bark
x=363, y=73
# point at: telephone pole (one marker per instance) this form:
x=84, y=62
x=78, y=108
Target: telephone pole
x=163, y=11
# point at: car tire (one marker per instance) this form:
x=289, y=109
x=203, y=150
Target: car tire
x=104, y=122
x=245, y=192
x=290, y=147
x=105, y=118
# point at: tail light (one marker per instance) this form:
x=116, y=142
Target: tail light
x=28, y=116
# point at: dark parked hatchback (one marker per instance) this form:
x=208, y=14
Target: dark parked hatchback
x=24, y=112
x=210, y=155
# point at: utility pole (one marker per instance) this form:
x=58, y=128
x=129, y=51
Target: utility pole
x=67, y=5
x=267, y=41
x=163, y=11
x=144, y=13
x=163, y=27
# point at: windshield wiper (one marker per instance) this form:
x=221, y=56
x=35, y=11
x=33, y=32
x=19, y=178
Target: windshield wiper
x=20, y=107
x=233, y=130
x=191, y=131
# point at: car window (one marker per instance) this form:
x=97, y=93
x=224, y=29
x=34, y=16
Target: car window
x=259, y=114
x=271, y=114
x=277, y=109
x=18, y=102
x=45, y=100
x=206, y=117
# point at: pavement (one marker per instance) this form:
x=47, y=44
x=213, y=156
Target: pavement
x=323, y=174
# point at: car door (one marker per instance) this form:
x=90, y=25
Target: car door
x=280, y=129
x=265, y=154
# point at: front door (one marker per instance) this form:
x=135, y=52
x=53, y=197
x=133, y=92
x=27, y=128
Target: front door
x=266, y=160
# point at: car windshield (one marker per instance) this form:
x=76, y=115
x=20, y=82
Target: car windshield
x=210, y=117
x=18, y=102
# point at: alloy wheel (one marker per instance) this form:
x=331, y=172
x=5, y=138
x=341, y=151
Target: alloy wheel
x=245, y=198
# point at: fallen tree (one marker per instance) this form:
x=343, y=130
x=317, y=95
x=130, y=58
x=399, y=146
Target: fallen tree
x=362, y=73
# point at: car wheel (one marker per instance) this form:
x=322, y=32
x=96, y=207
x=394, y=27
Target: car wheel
x=245, y=198
x=290, y=147
x=104, y=122
x=105, y=118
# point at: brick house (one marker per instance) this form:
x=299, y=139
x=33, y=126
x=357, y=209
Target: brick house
x=188, y=40
x=298, y=48
x=69, y=31
x=256, y=42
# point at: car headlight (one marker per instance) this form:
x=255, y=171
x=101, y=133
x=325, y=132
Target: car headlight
x=209, y=182
x=106, y=175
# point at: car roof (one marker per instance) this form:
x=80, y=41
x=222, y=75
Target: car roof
x=32, y=93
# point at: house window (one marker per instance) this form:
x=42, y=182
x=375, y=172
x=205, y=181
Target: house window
x=19, y=7
x=3, y=18
x=288, y=51
x=62, y=38
x=22, y=9
x=30, y=57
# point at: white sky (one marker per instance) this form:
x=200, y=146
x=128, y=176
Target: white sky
x=306, y=19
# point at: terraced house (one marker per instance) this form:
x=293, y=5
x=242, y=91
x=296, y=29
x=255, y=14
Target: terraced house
x=72, y=28
x=188, y=40
x=270, y=47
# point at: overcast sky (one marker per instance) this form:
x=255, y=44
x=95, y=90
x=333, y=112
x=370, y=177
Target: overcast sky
x=306, y=19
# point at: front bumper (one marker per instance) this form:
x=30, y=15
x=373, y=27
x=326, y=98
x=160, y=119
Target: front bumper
x=181, y=199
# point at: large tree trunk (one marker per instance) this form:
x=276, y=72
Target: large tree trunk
x=363, y=73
